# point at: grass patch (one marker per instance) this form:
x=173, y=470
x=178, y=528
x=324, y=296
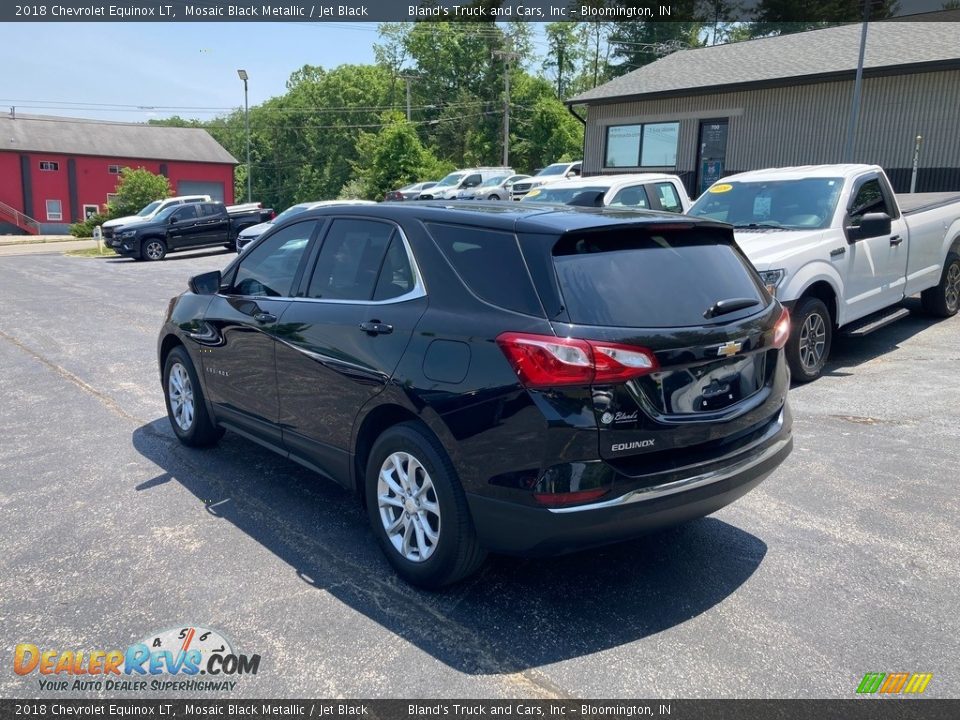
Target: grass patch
x=92, y=252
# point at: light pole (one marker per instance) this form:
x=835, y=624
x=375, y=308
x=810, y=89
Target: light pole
x=246, y=123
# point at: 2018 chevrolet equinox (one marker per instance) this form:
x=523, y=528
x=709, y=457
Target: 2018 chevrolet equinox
x=490, y=378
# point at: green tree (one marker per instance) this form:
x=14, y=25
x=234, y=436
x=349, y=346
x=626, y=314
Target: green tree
x=138, y=187
x=393, y=157
x=564, y=54
x=640, y=43
x=543, y=131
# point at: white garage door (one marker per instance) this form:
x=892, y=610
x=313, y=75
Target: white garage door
x=200, y=187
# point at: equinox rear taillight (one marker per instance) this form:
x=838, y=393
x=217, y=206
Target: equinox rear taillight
x=781, y=331
x=546, y=361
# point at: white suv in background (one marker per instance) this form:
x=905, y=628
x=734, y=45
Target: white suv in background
x=550, y=174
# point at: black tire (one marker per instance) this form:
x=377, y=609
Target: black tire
x=200, y=431
x=811, y=335
x=456, y=552
x=153, y=249
x=494, y=197
x=944, y=299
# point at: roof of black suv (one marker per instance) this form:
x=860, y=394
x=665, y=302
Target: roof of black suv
x=514, y=216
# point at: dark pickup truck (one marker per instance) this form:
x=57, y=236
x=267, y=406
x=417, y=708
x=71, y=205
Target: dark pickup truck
x=185, y=227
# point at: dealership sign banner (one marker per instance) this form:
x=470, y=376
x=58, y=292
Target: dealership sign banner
x=452, y=709
x=448, y=10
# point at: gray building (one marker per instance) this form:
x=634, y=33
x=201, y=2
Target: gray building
x=781, y=101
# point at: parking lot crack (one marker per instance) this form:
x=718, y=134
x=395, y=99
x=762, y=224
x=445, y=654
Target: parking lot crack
x=108, y=401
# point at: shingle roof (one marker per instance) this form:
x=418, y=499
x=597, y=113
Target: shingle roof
x=73, y=136
x=786, y=59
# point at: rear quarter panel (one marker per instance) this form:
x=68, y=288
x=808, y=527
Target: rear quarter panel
x=931, y=235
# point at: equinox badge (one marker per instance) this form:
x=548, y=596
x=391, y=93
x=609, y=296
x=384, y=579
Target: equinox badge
x=729, y=349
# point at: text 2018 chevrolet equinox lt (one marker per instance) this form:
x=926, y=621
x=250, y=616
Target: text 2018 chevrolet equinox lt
x=492, y=378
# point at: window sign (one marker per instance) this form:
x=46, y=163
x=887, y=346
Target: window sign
x=623, y=145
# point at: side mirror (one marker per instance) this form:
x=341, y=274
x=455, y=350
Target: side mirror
x=871, y=225
x=207, y=283
x=173, y=220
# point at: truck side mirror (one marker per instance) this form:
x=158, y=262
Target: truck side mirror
x=871, y=225
x=173, y=219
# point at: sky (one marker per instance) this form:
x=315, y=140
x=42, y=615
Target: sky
x=159, y=64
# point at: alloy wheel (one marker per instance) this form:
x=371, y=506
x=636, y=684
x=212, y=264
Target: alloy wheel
x=154, y=250
x=180, y=392
x=952, y=290
x=409, y=508
x=813, y=338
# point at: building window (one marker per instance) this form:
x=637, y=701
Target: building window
x=113, y=169
x=111, y=197
x=49, y=166
x=648, y=145
x=89, y=211
x=54, y=210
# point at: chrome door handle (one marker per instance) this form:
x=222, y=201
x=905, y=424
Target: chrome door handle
x=264, y=317
x=896, y=240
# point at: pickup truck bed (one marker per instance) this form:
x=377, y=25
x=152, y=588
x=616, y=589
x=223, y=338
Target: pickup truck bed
x=911, y=203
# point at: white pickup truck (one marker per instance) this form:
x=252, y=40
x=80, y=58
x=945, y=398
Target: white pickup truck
x=840, y=250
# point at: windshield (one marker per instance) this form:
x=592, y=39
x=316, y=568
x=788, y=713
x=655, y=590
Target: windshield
x=149, y=209
x=558, y=195
x=788, y=204
x=494, y=181
x=290, y=212
x=166, y=212
x=556, y=169
x=451, y=179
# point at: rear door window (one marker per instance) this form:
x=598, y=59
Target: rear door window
x=490, y=265
x=641, y=278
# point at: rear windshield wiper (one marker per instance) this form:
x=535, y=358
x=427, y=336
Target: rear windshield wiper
x=722, y=307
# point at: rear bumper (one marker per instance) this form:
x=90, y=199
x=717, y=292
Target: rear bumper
x=521, y=529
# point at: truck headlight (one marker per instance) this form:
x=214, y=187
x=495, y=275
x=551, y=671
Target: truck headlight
x=128, y=233
x=772, y=278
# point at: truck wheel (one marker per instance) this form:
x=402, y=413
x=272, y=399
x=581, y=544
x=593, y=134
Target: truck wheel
x=494, y=197
x=944, y=299
x=418, y=510
x=153, y=249
x=811, y=335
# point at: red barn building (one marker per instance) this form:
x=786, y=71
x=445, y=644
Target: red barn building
x=56, y=170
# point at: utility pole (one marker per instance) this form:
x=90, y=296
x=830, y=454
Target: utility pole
x=408, y=79
x=508, y=56
x=857, y=89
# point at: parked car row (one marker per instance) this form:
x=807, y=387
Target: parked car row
x=485, y=183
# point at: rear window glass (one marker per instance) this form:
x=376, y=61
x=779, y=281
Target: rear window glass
x=640, y=279
x=490, y=264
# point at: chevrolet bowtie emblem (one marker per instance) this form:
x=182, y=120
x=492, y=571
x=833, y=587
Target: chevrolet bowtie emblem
x=729, y=348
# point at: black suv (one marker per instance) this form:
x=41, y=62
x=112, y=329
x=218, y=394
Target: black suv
x=492, y=378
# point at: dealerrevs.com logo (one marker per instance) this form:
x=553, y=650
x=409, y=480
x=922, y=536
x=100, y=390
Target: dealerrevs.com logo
x=173, y=659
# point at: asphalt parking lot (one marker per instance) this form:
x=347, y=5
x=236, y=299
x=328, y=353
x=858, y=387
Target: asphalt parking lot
x=844, y=562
